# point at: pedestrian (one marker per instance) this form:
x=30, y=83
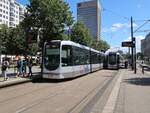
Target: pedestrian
x=143, y=69
x=126, y=64
x=19, y=67
x=24, y=68
x=5, y=65
x=30, y=66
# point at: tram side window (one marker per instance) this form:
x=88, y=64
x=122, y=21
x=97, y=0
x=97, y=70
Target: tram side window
x=87, y=57
x=83, y=55
x=76, y=55
x=66, y=55
x=101, y=58
x=94, y=57
x=118, y=59
x=80, y=56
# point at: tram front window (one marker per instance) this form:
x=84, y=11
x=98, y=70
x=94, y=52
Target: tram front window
x=112, y=59
x=52, y=56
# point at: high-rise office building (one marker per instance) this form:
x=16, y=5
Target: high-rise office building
x=145, y=46
x=89, y=12
x=11, y=12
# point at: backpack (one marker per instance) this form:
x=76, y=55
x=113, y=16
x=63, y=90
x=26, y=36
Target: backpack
x=4, y=66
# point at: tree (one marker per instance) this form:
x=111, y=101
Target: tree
x=80, y=34
x=105, y=45
x=140, y=56
x=16, y=41
x=100, y=45
x=33, y=49
x=4, y=31
x=51, y=16
x=12, y=40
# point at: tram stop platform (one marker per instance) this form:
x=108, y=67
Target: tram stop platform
x=127, y=93
x=12, y=80
x=130, y=94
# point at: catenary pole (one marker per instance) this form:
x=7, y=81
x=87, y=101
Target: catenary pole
x=132, y=49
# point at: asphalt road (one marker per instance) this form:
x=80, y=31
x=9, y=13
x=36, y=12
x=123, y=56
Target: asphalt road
x=53, y=97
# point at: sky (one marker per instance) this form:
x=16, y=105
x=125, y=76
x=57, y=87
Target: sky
x=115, y=20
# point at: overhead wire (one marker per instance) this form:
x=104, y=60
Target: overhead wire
x=116, y=14
x=141, y=26
x=147, y=30
x=128, y=19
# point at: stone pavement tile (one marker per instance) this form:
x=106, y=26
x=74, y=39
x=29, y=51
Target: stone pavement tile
x=119, y=108
x=11, y=72
x=111, y=102
x=12, y=81
x=134, y=93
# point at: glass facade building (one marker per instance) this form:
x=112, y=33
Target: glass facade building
x=89, y=12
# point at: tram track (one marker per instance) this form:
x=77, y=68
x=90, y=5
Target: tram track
x=39, y=101
x=30, y=92
x=40, y=94
x=87, y=103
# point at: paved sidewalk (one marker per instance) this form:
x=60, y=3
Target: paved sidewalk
x=13, y=80
x=134, y=94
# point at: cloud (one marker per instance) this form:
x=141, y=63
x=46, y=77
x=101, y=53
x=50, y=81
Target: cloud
x=138, y=42
x=118, y=26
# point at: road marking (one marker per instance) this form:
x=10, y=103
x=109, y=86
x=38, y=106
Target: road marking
x=20, y=110
x=110, y=105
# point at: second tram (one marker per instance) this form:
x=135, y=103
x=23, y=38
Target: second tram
x=66, y=59
x=113, y=60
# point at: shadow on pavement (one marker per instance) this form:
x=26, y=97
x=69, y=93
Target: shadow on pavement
x=42, y=80
x=143, y=81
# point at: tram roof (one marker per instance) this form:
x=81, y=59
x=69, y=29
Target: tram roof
x=68, y=42
x=112, y=51
x=77, y=45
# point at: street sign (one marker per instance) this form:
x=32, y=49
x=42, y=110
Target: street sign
x=127, y=44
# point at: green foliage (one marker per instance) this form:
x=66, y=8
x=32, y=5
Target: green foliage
x=51, y=16
x=12, y=40
x=33, y=48
x=127, y=56
x=100, y=45
x=16, y=41
x=140, y=56
x=64, y=37
x=80, y=34
x=4, y=32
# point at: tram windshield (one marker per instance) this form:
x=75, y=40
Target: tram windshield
x=112, y=59
x=52, y=56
